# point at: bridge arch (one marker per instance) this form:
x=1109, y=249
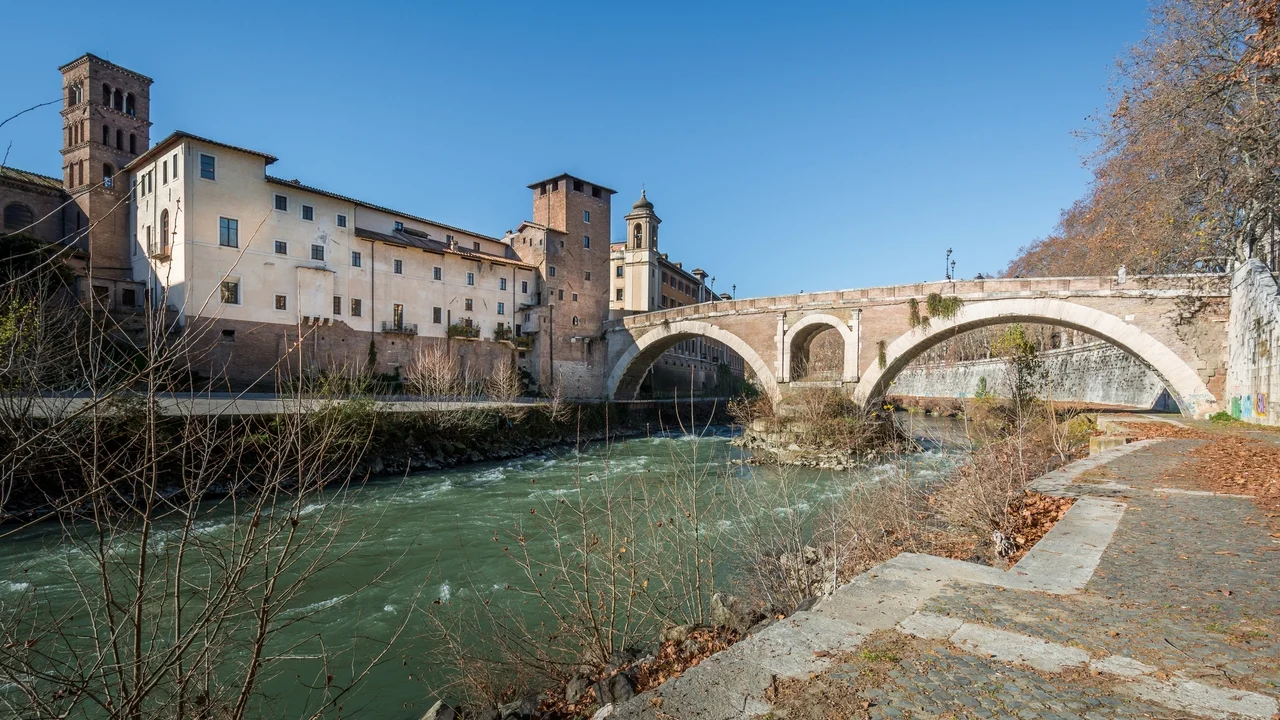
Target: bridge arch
x=801, y=334
x=629, y=369
x=1183, y=382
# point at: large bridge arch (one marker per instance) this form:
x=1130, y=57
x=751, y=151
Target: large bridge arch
x=799, y=335
x=630, y=368
x=1183, y=382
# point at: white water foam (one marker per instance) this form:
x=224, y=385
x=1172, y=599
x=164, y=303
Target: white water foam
x=314, y=607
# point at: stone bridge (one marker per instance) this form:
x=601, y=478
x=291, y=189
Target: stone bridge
x=1175, y=324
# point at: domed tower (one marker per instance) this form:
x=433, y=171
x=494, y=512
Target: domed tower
x=636, y=286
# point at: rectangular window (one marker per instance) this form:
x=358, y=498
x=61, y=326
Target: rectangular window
x=586, y=242
x=337, y=304
x=355, y=259
x=524, y=286
x=399, y=225
x=552, y=271
x=575, y=297
x=586, y=276
x=467, y=304
x=282, y=302
x=397, y=316
x=471, y=278
x=308, y=212
x=208, y=167
x=317, y=252
x=342, y=220
x=619, y=293
x=355, y=307
x=228, y=232
x=619, y=271
x=175, y=166
x=397, y=267
x=230, y=292
x=559, y=294
x=664, y=277
x=436, y=273
x=577, y=186
x=282, y=203
x=164, y=173
x=435, y=315
x=586, y=216
x=502, y=283
x=502, y=309
x=282, y=247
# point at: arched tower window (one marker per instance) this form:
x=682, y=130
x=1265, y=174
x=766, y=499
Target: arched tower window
x=133, y=144
x=129, y=105
x=638, y=234
x=106, y=135
x=164, y=231
x=575, y=320
x=74, y=94
x=653, y=235
x=120, y=140
x=106, y=94
x=117, y=100
x=107, y=172
x=17, y=216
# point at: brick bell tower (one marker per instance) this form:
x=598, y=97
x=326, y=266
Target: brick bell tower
x=106, y=124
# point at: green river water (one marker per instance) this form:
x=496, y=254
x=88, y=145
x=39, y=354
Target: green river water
x=436, y=531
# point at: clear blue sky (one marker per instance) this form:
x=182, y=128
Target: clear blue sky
x=786, y=146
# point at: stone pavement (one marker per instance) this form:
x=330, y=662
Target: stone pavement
x=1149, y=599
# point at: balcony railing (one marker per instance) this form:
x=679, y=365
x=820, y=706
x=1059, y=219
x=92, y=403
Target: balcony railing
x=402, y=328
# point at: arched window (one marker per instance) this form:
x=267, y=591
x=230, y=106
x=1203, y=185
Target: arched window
x=106, y=135
x=106, y=94
x=133, y=144
x=17, y=216
x=129, y=106
x=74, y=94
x=575, y=321
x=106, y=175
x=120, y=140
x=638, y=234
x=117, y=100
x=164, y=231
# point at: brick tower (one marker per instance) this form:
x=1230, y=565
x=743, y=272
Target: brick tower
x=106, y=124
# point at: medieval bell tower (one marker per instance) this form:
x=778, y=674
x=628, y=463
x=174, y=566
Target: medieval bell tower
x=106, y=124
x=642, y=292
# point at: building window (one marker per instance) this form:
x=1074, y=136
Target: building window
x=355, y=259
x=399, y=225
x=208, y=167
x=471, y=278
x=502, y=283
x=228, y=232
x=337, y=305
x=586, y=276
x=638, y=235
x=120, y=140
x=551, y=271
x=502, y=308
x=130, y=108
x=596, y=193
x=174, y=159
x=228, y=336
x=282, y=203
x=524, y=286
x=17, y=216
x=107, y=175
x=397, y=316
x=317, y=252
x=575, y=321
x=355, y=307
x=397, y=267
x=664, y=277
x=586, y=242
x=129, y=297
x=618, y=271
x=282, y=302
x=282, y=247
x=164, y=230
x=586, y=216
x=435, y=315
x=575, y=297
x=542, y=189
x=467, y=304
x=308, y=212
x=577, y=186
x=436, y=273
x=342, y=220
x=133, y=150
x=230, y=292
x=560, y=295
x=619, y=293
x=164, y=173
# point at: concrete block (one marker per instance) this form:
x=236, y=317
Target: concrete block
x=1101, y=443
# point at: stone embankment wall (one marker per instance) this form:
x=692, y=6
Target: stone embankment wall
x=1253, y=339
x=1092, y=374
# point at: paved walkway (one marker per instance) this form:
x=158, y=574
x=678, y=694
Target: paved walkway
x=1149, y=599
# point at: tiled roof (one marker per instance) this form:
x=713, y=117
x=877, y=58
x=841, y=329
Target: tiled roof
x=562, y=176
x=417, y=239
x=30, y=178
x=371, y=206
x=182, y=135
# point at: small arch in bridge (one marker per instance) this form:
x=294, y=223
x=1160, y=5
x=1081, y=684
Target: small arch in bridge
x=800, y=336
x=630, y=368
x=1183, y=382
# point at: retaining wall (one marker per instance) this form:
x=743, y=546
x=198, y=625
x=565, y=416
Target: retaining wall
x=1253, y=339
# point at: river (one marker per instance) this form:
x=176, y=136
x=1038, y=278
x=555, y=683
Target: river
x=430, y=537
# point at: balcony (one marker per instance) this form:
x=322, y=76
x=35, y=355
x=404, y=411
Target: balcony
x=160, y=253
x=400, y=328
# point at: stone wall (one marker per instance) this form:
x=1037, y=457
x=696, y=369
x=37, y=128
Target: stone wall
x=1094, y=374
x=1253, y=341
